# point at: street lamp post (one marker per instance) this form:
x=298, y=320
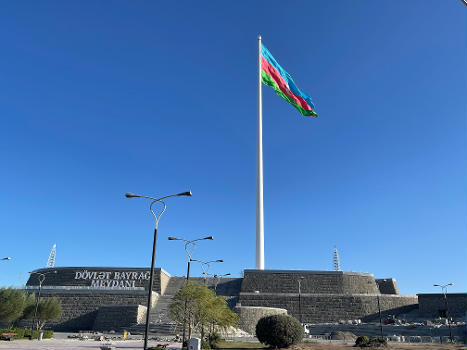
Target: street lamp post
x=156, y=218
x=216, y=280
x=444, y=288
x=190, y=246
x=380, y=318
x=300, y=279
x=205, y=266
x=41, y=279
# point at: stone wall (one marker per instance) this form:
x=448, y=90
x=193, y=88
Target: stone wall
x=164, y=279
x=114, y=317
x=319, y=308
x=101, y=277
x=433, y=305
x=80, y=307
x=322, y=282
x=250, y=315
x=387, y=286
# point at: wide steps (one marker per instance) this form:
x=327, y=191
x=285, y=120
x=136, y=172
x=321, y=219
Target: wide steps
x=167, y=329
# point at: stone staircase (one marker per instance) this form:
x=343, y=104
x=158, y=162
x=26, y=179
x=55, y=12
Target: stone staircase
x=159, y=321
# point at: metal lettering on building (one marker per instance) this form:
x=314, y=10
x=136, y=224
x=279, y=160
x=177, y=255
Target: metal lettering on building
x=113, y=279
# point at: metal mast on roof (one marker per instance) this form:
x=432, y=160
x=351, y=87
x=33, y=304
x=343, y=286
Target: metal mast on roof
x=51, y=261
x=337, y=263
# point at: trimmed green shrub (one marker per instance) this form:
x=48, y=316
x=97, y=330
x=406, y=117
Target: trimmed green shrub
x=366, y=342
x=362, y=341
x=279, y=331
x=26, y=333
x=205, y=344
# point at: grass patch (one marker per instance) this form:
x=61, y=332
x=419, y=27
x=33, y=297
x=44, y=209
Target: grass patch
x=240, y=345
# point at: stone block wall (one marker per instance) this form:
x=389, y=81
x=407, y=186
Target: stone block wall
x=319, y=308
x=387, y=286
x=115, y=317
x=250, y=315
x=431, y=304
x=80, y=307
x=164, y=279
x=313, y=282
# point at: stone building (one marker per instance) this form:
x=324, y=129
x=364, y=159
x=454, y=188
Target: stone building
x=104, y=298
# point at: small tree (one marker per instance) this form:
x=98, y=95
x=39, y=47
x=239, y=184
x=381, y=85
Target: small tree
x=203, y=309
x=218, y=315
x=279, y=331
x=12, y=303
x=47, y=310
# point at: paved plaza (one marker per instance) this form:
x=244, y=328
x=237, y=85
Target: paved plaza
x=76, y=344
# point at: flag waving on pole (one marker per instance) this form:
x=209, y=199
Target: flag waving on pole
x=275, y=76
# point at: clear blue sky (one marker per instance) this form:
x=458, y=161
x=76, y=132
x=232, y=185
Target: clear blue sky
x=102, y=98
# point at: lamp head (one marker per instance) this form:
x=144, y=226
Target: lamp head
x=131, y=195
x=451, y=284
x=220, y=260
x=227, y=274
x=7, y=258
x=436, y=285
x=172, y=238
x=209, y=237
x=188, y=193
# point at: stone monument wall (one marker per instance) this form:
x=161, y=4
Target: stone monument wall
x=115, y=317
x=432, y=304
x=80, y=307
x=320, y=308
x=387, y=286
x=321, y=282
x=250, y=315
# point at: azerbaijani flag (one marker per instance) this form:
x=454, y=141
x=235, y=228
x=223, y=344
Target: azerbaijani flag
x=275, y=76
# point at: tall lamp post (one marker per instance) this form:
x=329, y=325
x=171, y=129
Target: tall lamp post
x=156, y=218
x=41, y=279
x=444, y=287
x=217, y=278
x=300, y=279
x=189, y=248
x=205, y=266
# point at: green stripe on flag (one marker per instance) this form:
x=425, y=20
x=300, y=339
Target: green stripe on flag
x=267, y=80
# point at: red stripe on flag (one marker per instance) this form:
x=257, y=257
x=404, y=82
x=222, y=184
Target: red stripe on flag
x=276, y=76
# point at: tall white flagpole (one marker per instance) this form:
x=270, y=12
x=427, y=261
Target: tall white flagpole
x=259, y=175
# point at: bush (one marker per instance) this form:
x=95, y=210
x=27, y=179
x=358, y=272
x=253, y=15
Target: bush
x=362, y=341
x=26, y=333
x=366, y=342
x=279, y=331
x=205, y=344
